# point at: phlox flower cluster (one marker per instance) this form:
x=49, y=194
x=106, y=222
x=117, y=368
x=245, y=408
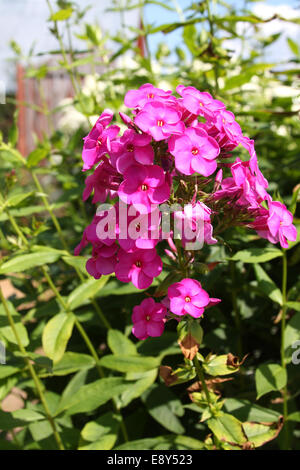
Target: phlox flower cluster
x=175, y=150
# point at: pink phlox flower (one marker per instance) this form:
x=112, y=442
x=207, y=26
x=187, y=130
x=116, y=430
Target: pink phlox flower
x=99, y=141
x=194, y=151
x=144, y=187
x=148, y=319
x=103, y=260
x=244, y=186
x=276, y=225
x=104, y=180
x=93, y=235
x=199, y=103
x=139, y=267
x=193, y=223
x=160, y=120
x=187, y=297
x=147, y=93
x=138, y=231
x=134, y=148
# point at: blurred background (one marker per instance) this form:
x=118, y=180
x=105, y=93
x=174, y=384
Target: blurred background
x=30, y=44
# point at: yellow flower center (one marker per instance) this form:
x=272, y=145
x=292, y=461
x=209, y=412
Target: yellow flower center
x=160, y=123
x=187, y=299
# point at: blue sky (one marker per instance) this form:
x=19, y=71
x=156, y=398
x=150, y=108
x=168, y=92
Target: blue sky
x=25, y=22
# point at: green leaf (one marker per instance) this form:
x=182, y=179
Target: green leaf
x=36, y=156
x=294, y=416
x=13, y=201
x=163, y=406
x=91, y=396
x=217, y=365
x=259, y=434
x=227, y=428
x=119, y=344
x=12, y=155
x=56, y=335
x=72, y=362
x=242, y=78
x=175, y=442
x=5, y=328
x=257, y=255
x=189, y=36
x=105, y=442
x=266, y=285
x=129, y=363
x=26, y=414
x=78, y=262
x=23, y=262
x=293, y=46
x=293, y=306
x=7, y=371
x=102, y=432
x=269, y=377
x=136, y=389
x=85, y=291
x=8, y=422
x=75, y=384
x=190, y=327
x=162, y=346
x=40, y=430
x=62, y=15
x=244, y=410
x=291, y=336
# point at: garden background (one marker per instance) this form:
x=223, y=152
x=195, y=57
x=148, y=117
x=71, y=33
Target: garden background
x=74, y=376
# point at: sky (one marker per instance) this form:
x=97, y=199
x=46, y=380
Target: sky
x=25, y=22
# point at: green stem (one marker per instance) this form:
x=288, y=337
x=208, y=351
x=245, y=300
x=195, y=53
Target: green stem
x=62, y=48
x=237, y=316
x=282, y=349
x=32, y=372
x=202, y=380
x=49, y=209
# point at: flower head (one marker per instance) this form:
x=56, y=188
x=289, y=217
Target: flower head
x=199, y=103
x=194, y=151
x=102, y=181
x=188, y=297
x=139, y=267
x=144, y=186
x=146, y=94
x=159, y=120
x=103, y=260
x=99, y=141
x=276, y=224
x=134, y=148
x=148, y=319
